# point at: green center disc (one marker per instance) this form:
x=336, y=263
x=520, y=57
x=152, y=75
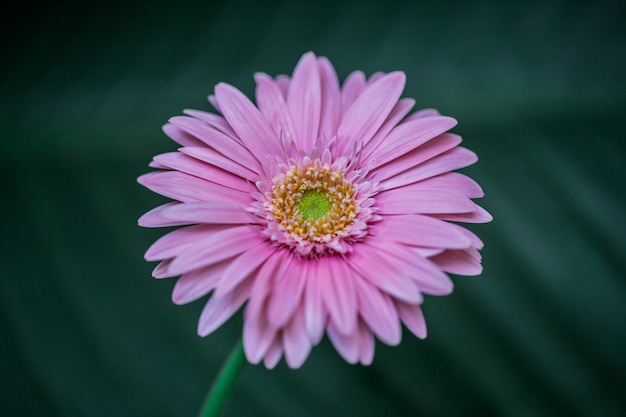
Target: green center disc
x=314, y=205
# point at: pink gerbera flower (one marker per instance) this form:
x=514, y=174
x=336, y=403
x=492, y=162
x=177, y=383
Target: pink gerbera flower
x=323, y=207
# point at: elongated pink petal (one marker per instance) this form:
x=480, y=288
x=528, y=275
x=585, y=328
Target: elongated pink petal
x=274, y=353
x=476, y=242
x=287, y=293
x=397, y=202
x=331, y=100
x=198, y=283
x=247, y=121
x=366, y=344
x=181, y=137
x=219, y=246
x=153, y=218
x=378, y=311
x=422, y=113
x=458, y=262
x=216, y=139
x=219, y=309
x=338, y=292
x=304, y=100
x=352, y=88
x=187, y=188
x=412, y=317
x=314, y=310
x=370, y=110
x=419, y=230
x=273, y=267
x=258, y=335
x=183, y=163
x=410, y=135
x=456, y=158
x=273, y=106
x=213, y=120
x=283, y=81
x=346, y=344
x=477, y=215
x=175, y=242
x=295, y=340
x=383, y=273
x=418, y=155
x=243, y=266
x=453, y=182
x=161, y=270
x=215, y=158
x=208, y=212
x=428, y=277
x=401, y=109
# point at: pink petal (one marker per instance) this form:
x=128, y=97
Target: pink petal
x=274, y=353
x=244, y=265
x=477, y=215
x=187, y=188
x=346, y=344
x=430, y=279
x=215, y=158
x=181, y=162
x=423, y=113
x=283, y=82
x=263, y=285
x=369, y=111
x=287, y=293
x=208, y=212
x=476, y=242
x=418, y=230
x=274, y=108
x=410, y=135
x=296, y=341
x=378, y=311
x=352, y=88
x=247, y=121
x=181, y=137
x=401, y=109
x=451, y=160
x=161, y=270
x=314, y=310
x=412, y=317
x=257, y=336
x=220, y=309
x=383, y=273
x=331, y=100
x=453, y=182
x=427, y=202
x=153, y=218
x=419, y=155
x=338, y=292
x=175, y=242
x=214, y=120
x=458, y=262
x=304, y=100
x=217, y=247
x=366, y=344
x=198, y=283
x=218, y=140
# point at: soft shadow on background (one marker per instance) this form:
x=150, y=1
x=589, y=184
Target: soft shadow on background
x=539, y=90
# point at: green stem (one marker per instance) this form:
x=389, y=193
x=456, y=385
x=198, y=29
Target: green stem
x=223, y=384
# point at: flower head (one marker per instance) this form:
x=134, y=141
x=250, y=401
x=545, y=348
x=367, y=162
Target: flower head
x=325, y=208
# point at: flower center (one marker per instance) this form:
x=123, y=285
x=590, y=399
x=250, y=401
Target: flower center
x=313, y=204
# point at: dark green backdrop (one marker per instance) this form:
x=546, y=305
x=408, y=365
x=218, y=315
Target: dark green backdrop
x=539, y=90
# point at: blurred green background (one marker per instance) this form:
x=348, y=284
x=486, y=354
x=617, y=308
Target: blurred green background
x=539, y=89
